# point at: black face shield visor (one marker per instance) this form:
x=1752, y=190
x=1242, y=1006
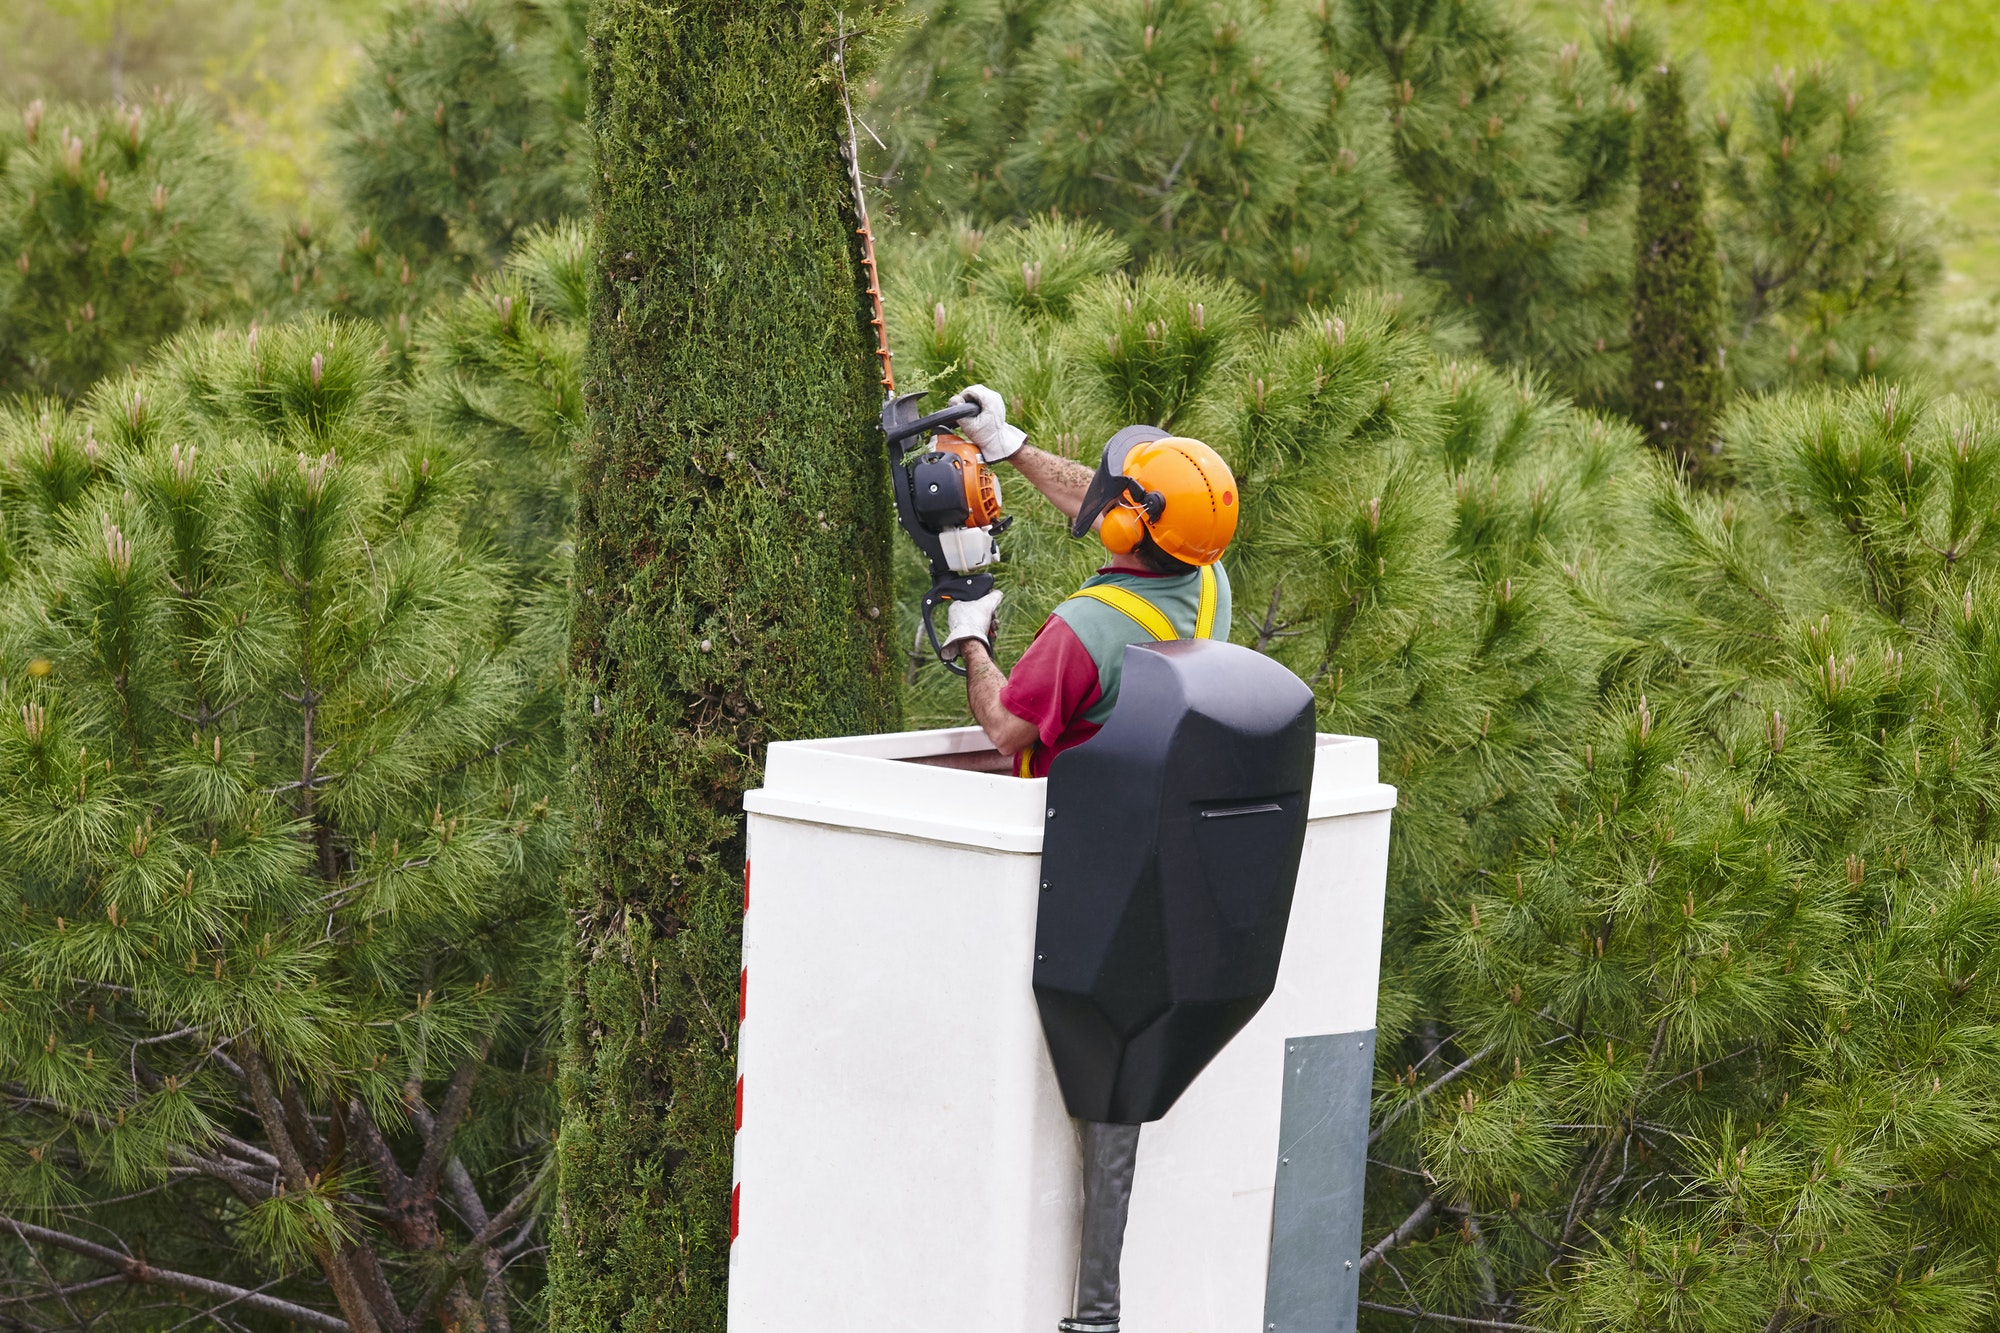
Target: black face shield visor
x=1111, y=485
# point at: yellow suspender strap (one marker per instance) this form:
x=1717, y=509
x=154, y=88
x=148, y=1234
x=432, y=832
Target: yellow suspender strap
x=1204, y=616
x=1150, y=617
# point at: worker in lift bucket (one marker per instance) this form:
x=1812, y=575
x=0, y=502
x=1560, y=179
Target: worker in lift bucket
x=1165, y=509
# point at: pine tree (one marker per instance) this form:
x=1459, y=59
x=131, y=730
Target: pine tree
x=1519, y=157
x=501, y=367
x=1677, y=379
x=1828, y=267
x=731, y=588
x=1507, y=171
x=346, y=270
x=1213, y=137
x=466, y=129
x=1712, y=1037
x=119, y=226
x=279, y=858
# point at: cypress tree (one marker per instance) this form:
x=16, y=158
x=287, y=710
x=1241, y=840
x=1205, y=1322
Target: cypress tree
x=731, y=588
x=1676, y=391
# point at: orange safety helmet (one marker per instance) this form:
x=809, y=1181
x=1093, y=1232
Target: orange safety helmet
x=1176, y=489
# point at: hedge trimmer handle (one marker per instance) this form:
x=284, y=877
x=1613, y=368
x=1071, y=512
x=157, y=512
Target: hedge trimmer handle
x=956, y=412
x=952, y=588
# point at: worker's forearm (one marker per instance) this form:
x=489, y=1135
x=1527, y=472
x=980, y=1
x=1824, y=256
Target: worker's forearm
x=1062, y=480
x=983, y=682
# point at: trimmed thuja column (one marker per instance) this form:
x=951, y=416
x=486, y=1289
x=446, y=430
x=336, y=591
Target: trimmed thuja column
x=1677, y=382
x=731, y=589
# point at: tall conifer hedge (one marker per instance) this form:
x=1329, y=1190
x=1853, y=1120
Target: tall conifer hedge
x=731, y=588
x=1677, y=385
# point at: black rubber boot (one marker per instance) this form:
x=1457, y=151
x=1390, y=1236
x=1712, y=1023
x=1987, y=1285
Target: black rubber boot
x=1109, y=1152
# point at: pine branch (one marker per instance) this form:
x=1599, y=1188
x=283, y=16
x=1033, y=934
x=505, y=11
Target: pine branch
x=138, y=1270
x=246, y=1188
x=481, y=1241
x=1463, y=1321
x=473, y=1209
x=457, y=1101
x=356, y=1302
x=298, y=1123
x=1403, y=1232
x=1456, y=1071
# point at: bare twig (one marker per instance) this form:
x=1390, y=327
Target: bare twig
x=1710, y=1065
x=473, y=1209
x=138, y=1270
x=457, y=1101
x=481, y=1241
x=1402, y=1233
x=64, y=1293
x=245, y=1187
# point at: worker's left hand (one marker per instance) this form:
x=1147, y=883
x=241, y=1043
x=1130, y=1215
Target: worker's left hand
x=971, y=620
x=989, y=430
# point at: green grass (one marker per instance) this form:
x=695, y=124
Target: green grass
x=1951, y=156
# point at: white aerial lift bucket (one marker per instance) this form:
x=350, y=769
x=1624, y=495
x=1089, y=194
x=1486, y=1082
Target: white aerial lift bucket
x=904, y=1162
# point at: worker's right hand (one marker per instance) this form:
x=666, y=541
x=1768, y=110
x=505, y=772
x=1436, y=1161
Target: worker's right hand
x=971, y=620
x=989, y=430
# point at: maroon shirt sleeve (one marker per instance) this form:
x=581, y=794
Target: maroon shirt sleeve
x=1053, y=684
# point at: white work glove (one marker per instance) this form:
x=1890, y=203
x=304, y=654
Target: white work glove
x=971, y=620
x=989, y=430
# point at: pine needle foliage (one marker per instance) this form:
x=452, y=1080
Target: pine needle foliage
x=500, y=367
x=1213, y=137
x=119, y=225
x=1519, y=154
x=466, y=129
x=279, y=855
x=1677, y=379
x=1716, y=1040
x=731, y=589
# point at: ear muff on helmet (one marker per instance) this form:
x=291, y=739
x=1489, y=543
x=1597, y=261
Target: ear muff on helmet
x=1124, y=527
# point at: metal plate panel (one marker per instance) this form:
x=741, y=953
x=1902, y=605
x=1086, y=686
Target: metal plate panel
x=1322, y=1166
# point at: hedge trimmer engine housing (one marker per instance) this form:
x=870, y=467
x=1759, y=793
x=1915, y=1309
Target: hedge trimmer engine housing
x=947, y=501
